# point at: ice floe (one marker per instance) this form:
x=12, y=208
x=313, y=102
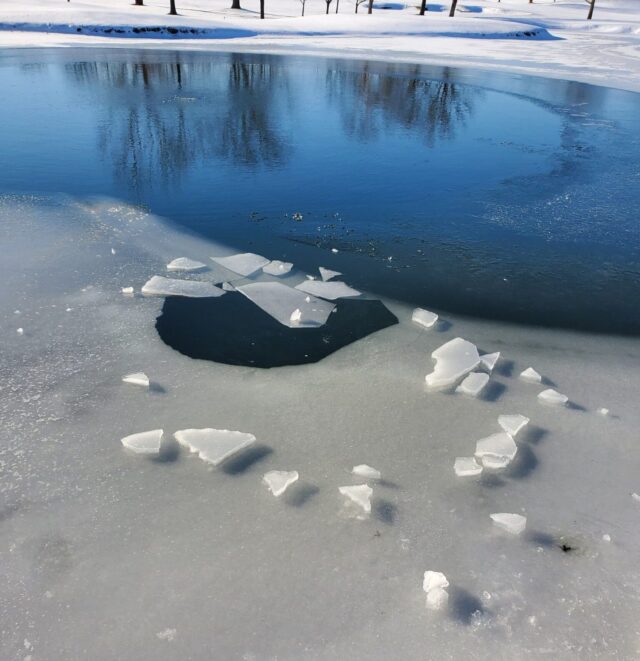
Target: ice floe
x=137, y=379
x=512, y=523
x=466, y=467
x=497, y=450
x=278, y=268
x=158, y=285
x=489, y=360
x=453, y=359
x=368, y=472
x=424, y=318
x=245, y=264
x=473, y=384
x=145, y=442
x=551, y=396
x=328, y=274
x=331, y=290
x=214, y=445
x=531, y=376
x=279, y=481
x=435, y=584
x=360, y=494
x=512, y=424
x=185, y=264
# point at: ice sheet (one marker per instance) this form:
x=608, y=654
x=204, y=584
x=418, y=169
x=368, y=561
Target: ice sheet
x=453, y=359
x=158, y=285
x=531, y=376
x=330, y=290
x=245, y=264
x=497, y=450
x=489, y=360
x=214, y=445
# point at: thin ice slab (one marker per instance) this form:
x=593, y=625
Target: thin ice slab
x=453, y=360
x=330, y=290
x=279, y=481
x=214, y=445
x=137, y=379
x=277, y=268
x=161, y=286
x=328, y=274
x=435, y=584
x=512, y=424
x=246, y=263
x=145, y=442
x=368, y=472
x=531, y=376
x=489, y=360
x=424, y=318
x=473, y=384
x=512, y=523
x=497, y=450
x=289, y=306
x=359, y=494
x=466, y=467
x=551, y=396
x=185, y=264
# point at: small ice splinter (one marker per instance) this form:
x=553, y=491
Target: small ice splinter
x=531, y=376
x=553, y=397
x=435, y=584
x=137, y=379
x=279, y=481
x=359, y=494
x=368, y=472
x=146, y=442
x=511, y=523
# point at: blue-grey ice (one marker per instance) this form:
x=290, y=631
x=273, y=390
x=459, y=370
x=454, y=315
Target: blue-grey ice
x=245, y=264
x=158, y=285
x=368, y=472
x=214, y=445
x=453, y=359
x=328, y=274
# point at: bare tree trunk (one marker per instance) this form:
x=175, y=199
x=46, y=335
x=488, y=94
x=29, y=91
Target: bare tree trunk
x=453, y=8
x=172, y=8
x=236, y=4
x=337, y=5
x=137, y=3
x=591, y=6
x=423, y=7
x=261, y=8
x=370, y=7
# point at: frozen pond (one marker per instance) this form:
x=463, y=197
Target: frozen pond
x=157, y=506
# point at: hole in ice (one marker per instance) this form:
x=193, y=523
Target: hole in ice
x=232, y=330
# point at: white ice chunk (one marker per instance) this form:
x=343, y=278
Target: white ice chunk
x=161, y=286
x=437, y=599
x=531, y=376
x=603, y=412
x=185, y=264
x=489, y=360
x=278, y=481
x=281, y=302
x=137, y=379
x=368, y=472
x=127, y=291
x=554, y=397
x=495, y=462
x=359, y=494
x=512, y=523
x=20, y=331
x=327, y=274
x=214, y=445
x=606, y=537
x=227, y=286
x=424, y=318
x=334, y=250
x=512, y=424
x=435, y=584
x=145, y=442
x=467, y=467
x=497, y=450
x=330, y=290
x=245, y=264
x=473, y=384
x=453, y=359
x=276, y=267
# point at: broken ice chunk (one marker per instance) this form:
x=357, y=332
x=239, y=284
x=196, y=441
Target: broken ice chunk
x=497, y=450
x=531, y=376
x=330, y=290
x=359, y=494
x=467, y=467
x=20, y=331
x=137, y=379
x=227, y=286
x=554, y=397
x=214, y=445
x=473, y=384
x=161, y=286
x=424, y=318
x=334, y=250
x=489, y=360
x=437, y=599
x=127, y=291
x=276, y=267
x=512, y=424
x=368, y=472
x=603, y=412
x=512, y=523
x=245, y=264
x=435, y=584
x=453, y=359
x=278, y=481
x=145, y=442
x=185, y=264
x=327, y=274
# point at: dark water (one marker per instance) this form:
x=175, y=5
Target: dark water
x=493, y=195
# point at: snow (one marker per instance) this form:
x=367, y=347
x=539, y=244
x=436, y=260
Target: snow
x=489, y=360
x=466, y=467
x=359, y=494
x=244, y=264
x=145, y=442
x=214, y=446
x=329, y=290
x=512, y=424
x=424, y=318
x=279, y=481
x=368, y=472
x=127, y=291
x=553, y=397
x=185, y=264
x=435, y=584
x=512, y=523
x=328, y=274
x=277, y=268
x=531, y=376
x=453, y=359
x=137, y=379
x=473, y=384
x=158, y=285
x=497, y=450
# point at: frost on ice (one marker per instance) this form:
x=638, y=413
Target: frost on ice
x=185, y=264
x=161, y=286
x=435, y=584
x=497, y=450
x=531, y=376
x=512, y=523
x=368, y=472
x=453, y=360
x=467, y=467
x=473, y=384
x=145, y=442
x=214, y=445
x=359, y=494
x=277, y=268
x=327, y=274
x=551, y=396
x=330, y=290
x=489, y=360
x=512, y=424
x=245, y=264
x=424, y=318
x=279, y=481
x=137, y=379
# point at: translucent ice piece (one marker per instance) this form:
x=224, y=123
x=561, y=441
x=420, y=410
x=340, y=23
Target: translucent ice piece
x=554, y=397
x=276, y=267
x=127, y=291
x=467, y=467
x=185, y=264
x=453, y=360
x=327, y=274
x=330, y=290
x=145, y=442
x=531, y=376
x=489, y=360
x=512, y=523
x=245, y=264
x=497, y=450
x=279, y=481
x=473, y=384
x=161, y=286
x=280, y=302
x=368, y=472
x=512, y=424
x=434, y=580
x=227, y=286
x=437, y=599
x=359, y=494
x=137, y=379
x=214, y=445
x=424, y=318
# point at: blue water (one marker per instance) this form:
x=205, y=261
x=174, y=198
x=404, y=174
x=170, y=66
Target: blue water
x=491, y=195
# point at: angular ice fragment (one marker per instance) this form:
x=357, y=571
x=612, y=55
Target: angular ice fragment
x=453, y=360
x=276, y=267
x=435, y=584
x=424, y=318
x=137, y=379
x=512, y=523
x=489, y=360
x=214, y=445
x=467, y=467
x=278, y=481
x=554, y=397
x=531, y=376
x=473, y=384
x=280, y=302
x=245, y=264
x=227, y=286
x=512, y=424
x=185, y=264
x=359, y=494
x=495, y=462
x=330, y=290
x=362, y=470
x=127, y=291
x=497, y=450
x=161, y=286
x=327, y=274
x=145, y=442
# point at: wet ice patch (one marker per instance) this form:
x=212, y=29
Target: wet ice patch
x=368, y=472
x=453, y=359
x=531, y=376
x=473, y=384
x=146, y=442
x=158, y=285
x=277, y=268
x=466, y=467
x=331, y=290
x=512, y=523
x=497, y=450
x=512, y=424
x=214, y=446
x=245, y=264
x=553, y=397
x=359, y=494
x=435, y=584
x=328, y=274
x=137, y=379
x=424, y=318
x=489, y=360
x=185, y=264
x=279, y=481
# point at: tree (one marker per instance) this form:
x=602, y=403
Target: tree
x=358, y=3
x=328, y=2
x=172, y=8
x=337, y=5
x=370, y=7
x=591, y=6
x=236, y=4
x=261, y=8
x=137, y=3
x=423, y=7
x=453, y=8
x=303, y=2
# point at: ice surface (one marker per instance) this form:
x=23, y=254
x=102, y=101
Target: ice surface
x=185, y=264
x=435, y=584
x=467, y=467
x=489, y=360
x=279, y=481
x=145, y=442
x=512, y=424
x=127, y=291
x=368, y=472
x=512, y=523
x=330, y=290
x=531, y=376
x=245, y=264
x=551, y=396
x=424, y=318
x=214, y=445
x=360, y=494
x=161, y=286
x=137, y=379
x=276, y=267
x=473, y=384
x=327, y=274
x=497, y=450
x=453, y=360
x=281, y=302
